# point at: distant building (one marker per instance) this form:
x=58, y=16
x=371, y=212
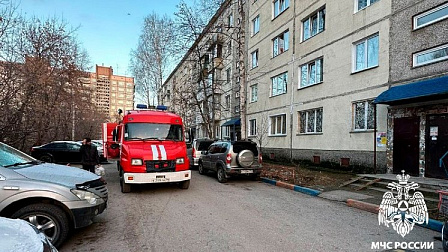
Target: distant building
x=111, y=92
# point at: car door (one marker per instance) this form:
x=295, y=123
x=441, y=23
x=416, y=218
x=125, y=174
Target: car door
x=57, y=150
x=207, y=158
x=72, y=152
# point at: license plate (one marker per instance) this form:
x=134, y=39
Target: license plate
x=161, y=180
x=246, y=171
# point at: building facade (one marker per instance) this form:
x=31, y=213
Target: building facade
x=417, y=101
x=110, y=92
x=320, y=66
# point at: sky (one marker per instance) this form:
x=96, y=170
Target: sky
x=108, y=29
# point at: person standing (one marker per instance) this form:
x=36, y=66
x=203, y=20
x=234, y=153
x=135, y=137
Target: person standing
x=89, y=155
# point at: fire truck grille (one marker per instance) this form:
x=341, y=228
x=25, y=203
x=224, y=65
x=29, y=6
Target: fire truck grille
x=160, y=166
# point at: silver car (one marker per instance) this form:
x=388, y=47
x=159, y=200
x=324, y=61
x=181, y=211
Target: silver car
x=197, y=146
x=53, y=197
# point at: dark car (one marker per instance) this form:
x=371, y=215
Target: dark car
x=54, y=198
x=231, y=159
x=58, y=152
x=197, y=146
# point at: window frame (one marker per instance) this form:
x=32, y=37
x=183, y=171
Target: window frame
x=285, y=88
x=254, y=98
x=255, y=21
x=366, y=53
x=274, y=117
x=252, y=127
x=365, y=117
x=369, y=2
x=279, y=10
x=285, y=43
x=254, y=53
x=321, y=60
x=415, y=26
x=317, y=13
x=427, y=51
x=307, y=116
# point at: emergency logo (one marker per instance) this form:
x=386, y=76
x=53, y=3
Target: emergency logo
x=403, y=211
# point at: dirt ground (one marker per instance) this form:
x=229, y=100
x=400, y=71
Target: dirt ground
x=313, y=178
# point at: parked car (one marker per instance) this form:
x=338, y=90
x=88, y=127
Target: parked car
x=197, y=146
x=230, y=159
x=55, y=198
x=58, y=152
x=19, y=235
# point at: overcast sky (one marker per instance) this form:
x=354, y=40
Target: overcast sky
x=108, y=30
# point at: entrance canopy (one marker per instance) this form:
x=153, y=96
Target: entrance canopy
x=235, y=121
x=426, y=90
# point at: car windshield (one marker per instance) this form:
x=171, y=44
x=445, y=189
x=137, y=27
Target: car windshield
x=153, y=131
x=10, y=156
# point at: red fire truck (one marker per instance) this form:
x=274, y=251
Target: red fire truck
x=149, y=147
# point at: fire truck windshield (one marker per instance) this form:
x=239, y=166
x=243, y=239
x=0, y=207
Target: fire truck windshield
x=153, y=131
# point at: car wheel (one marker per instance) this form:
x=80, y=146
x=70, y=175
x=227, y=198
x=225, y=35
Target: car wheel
x=201, y=169
x=49, y=219
x=245, y=158
x=221, y=174
x=47, y=158
x=125, y=188
x=184, y=184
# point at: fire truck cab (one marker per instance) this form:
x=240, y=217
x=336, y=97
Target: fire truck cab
x=149, y=147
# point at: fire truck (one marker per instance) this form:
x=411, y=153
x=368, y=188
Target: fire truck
x=149, y=147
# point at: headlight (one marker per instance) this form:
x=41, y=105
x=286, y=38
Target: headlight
x=180, y=161
x=88, y=196
x=136, y=162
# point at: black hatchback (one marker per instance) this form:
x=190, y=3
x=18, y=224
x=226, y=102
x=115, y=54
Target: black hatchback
x=58, y=152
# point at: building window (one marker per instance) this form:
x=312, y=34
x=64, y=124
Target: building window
x=280, y=6
x=237, y=109
x=278, y=125
x=314, y=24
x=227, y=102
x=279, y=84
x=431, y=16
x=255, y=59
x=254, y=93
x=311, y=73
x=229, y=47
x=230, y=21
x=226, y=131
x=363, y=115
x=237, y=94
x=310, y=121
x=228, y=75
x=280, y=44
x=430, y=56
x=218, y=132
x=255, y=25
x=361, y=4
x=252, y=127
x=366, y=53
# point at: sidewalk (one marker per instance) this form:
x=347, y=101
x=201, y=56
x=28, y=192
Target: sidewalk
x=358, y=200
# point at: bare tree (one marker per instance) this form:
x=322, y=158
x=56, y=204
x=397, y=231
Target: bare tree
x=151, y=60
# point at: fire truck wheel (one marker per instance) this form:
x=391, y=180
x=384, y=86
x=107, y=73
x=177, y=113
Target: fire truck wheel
x=201, y=169
x=221, y=175
x=184, y=184
x=125, y=188
x=47, y=158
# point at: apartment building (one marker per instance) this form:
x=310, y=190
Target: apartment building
x=110, y=92
x=205, y=86
x=417, y=103
x=315, y=69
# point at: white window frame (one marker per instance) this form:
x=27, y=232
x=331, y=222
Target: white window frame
x=432, y=50
x=252, y=127
x=274, y=119
x=256, y=25
x=426, y=13
x=254, y=93
x=366, y=53
x=369, y=2
x=320, y=17
x=308, y=65
x=227, y=101
x=307, y=116
x=282, y=6
x=366, y=115
x=230, y=21
x=226, y=131
x=254, y=59
x=283, y=76
x=281, y=42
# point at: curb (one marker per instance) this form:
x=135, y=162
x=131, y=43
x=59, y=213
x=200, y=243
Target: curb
x=372, y=208
x=296, y=188
x=432, y=224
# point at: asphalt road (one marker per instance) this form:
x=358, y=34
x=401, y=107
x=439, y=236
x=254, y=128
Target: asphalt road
x=240, y=215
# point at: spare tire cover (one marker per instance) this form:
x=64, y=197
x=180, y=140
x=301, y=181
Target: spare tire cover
x=245, y=158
